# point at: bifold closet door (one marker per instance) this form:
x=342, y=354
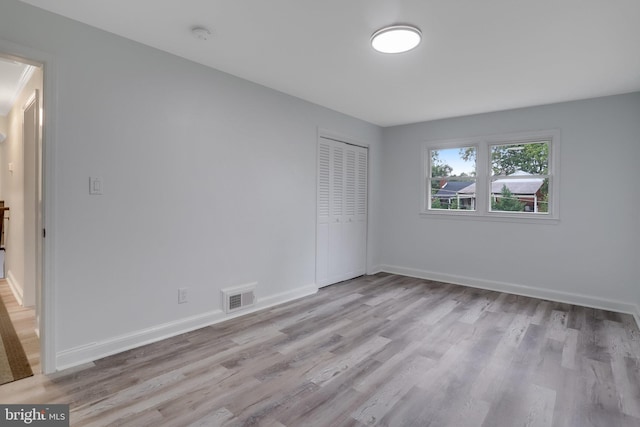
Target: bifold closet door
x=342, y=211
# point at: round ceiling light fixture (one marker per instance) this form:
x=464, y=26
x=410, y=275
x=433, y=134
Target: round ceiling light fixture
x=396, y=39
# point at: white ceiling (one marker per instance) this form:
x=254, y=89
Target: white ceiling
x=13, y=77
x=476, y=56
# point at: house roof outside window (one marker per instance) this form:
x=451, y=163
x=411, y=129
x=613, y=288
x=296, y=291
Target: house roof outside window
x=515, y=185
x=451, y=188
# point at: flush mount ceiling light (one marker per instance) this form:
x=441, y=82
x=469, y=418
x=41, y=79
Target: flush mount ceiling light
x=396, y=39
x=201, y=33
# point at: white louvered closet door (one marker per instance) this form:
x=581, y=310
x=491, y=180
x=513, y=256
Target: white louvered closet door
x=342, y=212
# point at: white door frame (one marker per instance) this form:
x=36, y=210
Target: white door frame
x=46, y=310
x=32, y=188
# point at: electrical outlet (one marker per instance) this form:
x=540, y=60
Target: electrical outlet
x=182, y=295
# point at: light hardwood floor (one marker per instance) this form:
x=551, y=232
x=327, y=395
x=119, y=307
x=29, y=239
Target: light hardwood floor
x=377, y=350
x=24, y=322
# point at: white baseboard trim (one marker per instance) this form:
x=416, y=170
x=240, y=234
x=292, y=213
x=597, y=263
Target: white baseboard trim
x=15, y=287
x=375, y=269
x=636, y=315
x=528, y=291
x=283, y=297
x=96, y=350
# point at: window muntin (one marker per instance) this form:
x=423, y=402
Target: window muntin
x=451, y=178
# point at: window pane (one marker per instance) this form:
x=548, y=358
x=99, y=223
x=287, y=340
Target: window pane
x=456, y=162
x=451, y=183
x=522, y=194
x=524, y=190
x=530, y=158
x=453, y=194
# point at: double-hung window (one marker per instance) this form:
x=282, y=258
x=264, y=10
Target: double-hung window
x=503, y=176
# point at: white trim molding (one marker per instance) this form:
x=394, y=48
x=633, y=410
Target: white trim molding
x=16, y=288
x=24, y=78
x=335, y=136
x=96, y=350
x=527, y=291
x=375, y=269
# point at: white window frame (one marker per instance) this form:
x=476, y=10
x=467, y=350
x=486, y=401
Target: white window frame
x=484, y=177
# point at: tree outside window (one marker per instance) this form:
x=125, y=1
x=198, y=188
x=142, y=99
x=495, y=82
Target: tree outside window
x=520, y=181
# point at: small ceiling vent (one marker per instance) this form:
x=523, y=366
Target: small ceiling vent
x=239, y=298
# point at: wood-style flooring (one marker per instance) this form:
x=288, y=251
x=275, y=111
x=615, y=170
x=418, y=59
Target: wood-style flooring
x=377, y=350
x=24, y=322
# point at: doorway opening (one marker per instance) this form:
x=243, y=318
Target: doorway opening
x=21, y=191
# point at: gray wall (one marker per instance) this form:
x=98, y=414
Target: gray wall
x=590, y=257
x=209, y=182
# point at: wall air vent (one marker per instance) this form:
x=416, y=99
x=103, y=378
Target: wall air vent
x=238, y=298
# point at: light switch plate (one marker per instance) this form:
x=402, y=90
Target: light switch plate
x=95, y=185
x=183, y=294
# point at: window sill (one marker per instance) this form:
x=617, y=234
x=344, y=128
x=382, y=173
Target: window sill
x=491, y=217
